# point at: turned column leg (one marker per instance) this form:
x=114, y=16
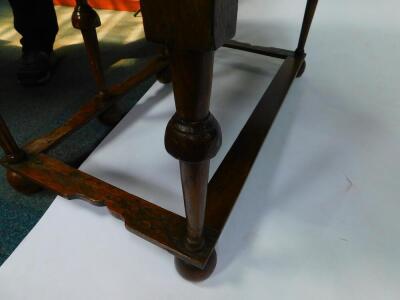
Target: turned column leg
x=14, y=155
x=192, y=31
x=13, y=152
x=193, y=136
x=87, y=20
x=305, y=29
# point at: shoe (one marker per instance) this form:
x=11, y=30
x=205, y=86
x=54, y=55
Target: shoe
x=35, y=68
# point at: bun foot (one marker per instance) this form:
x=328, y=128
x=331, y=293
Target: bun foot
x=21, y=184
x=194, y=274
x=111, y=116
x=164, y=76
x=301, y=70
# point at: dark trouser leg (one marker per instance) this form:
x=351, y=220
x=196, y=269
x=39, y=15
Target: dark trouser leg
x=36, y=21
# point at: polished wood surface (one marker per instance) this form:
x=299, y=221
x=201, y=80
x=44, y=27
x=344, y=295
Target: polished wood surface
x=155, y=224
x=267, y=51
x=199, y=25
x=21, y=183
x=305, y=28
x=8, y=144
x=94, y=107
x=86, y=20
x=191, y=31
x=193, y=136
x=227, y=182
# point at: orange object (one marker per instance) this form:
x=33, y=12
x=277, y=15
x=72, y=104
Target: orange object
x=126, y=5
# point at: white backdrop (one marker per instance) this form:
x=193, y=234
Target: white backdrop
x=318, y=216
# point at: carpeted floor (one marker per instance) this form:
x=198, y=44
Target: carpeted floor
x=34, y=111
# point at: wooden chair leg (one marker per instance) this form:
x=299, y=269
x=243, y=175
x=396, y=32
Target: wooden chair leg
x=14, y=155
x=192, y=31
x=87, y=20
x=13, y=152
x=305, y=29
x=193, y=136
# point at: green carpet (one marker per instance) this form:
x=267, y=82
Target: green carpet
x=31, y=112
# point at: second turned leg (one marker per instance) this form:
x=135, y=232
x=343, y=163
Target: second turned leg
x=193, y=136
x=8, y=144
x=87, y=20
x=15, y=155
x=305, y=29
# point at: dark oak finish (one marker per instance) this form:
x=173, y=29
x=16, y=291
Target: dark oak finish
x=192, y=273
x=22, y=184
x=155, y=224
x=94, y=107
x=305, y=28
x=199, y=25
x=164, y=76
x=267, y=51
x=193, y=136
x=189, y=32
x=228, y=180
x=87, y=20
x=14, y=155
x=223, y=188
x=8, y=144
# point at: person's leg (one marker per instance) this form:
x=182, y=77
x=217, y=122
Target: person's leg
x=36, y=21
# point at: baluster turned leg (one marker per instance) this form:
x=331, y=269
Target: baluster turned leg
x=87, y=20
x=192, y=31
x=13, y=152
x=305, y=29
x=193, y=136
x=14, y=155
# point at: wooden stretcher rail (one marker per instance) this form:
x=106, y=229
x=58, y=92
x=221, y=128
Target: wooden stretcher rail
x=94, y=107
x=192, y=136
x=227, y=182
x=267, y=51
x=151, y=222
